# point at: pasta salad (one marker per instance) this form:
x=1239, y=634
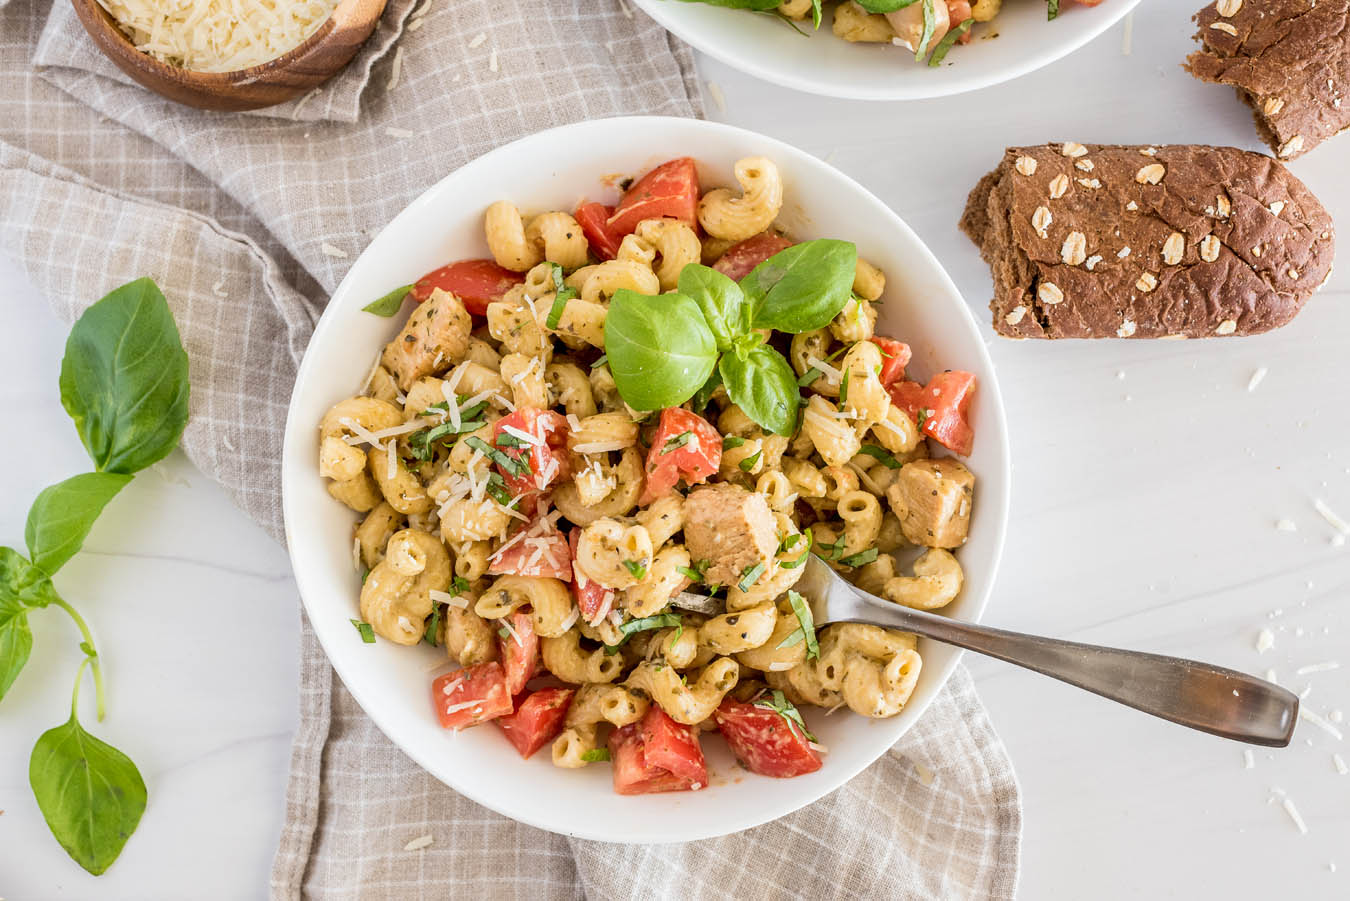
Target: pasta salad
x=926, y=28
x=626, y=402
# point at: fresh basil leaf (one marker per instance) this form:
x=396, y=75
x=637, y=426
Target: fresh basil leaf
x=63, y=514
x=764, y=386
x=16, y=640
x=948, y=39
x=124, y=379
x=595, y=755
x=390, y=303
x=801, y=287
x=660, y=348
x=91, y=794
x=885, y=6
x=703, y=396
x=23, y=582
x=720, y=299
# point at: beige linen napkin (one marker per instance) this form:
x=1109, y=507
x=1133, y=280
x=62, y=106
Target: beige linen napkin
x=231, y=215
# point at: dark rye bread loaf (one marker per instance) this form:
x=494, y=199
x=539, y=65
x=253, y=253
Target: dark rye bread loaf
x=1289, y=61
x=1103, y=241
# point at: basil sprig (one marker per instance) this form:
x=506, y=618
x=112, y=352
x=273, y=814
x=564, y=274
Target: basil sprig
x=124, y=382
x=664, y=350
x=660, y=349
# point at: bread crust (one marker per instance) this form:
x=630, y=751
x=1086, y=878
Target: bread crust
x=1180, y=241
x=1289, y=60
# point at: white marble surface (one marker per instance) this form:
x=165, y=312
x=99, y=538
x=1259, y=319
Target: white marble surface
x=1148, y=484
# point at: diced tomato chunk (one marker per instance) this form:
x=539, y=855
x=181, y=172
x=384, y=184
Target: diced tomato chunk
x=519, y=650
x=593, y=599
x=670, y=190
x=540, y=553
x=594, y=220
x=765, y=741
x=471, y=695
x=674, y=455
x=538, y=719
x=535, y=466
x=738, y=259
x=475, y=282
x=957, y=12
x=940, y=407
x=656, y=755
x=895, y=357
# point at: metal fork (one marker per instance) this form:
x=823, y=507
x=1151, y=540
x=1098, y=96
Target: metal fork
x=1199, y=695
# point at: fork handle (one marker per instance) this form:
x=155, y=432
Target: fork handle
x=1209, y=698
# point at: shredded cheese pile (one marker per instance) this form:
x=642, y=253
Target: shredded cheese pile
x=218, y=35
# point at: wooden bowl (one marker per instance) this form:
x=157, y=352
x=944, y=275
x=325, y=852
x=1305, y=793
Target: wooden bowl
x=321, y=56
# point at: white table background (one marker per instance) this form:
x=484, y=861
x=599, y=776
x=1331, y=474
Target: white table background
x=1148, y=484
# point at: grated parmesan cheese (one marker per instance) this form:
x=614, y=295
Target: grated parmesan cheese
x=1265, y=640
x=1256, y=378
x=1330, y=515
x=1319, y=722
x=824, y=368
x=1317, y=668
x=1339, y=762
x=216, y=35
x=1290, y=809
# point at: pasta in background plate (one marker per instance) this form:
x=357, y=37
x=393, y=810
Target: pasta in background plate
x=562, y=438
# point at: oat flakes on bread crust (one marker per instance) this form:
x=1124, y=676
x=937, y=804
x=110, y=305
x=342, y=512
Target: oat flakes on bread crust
x=1289, y=60
x=1188, y=241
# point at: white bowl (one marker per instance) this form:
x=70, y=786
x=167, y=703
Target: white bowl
x=824, y=64
x=551, y=170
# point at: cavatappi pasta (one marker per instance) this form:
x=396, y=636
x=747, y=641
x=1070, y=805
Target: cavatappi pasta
x=519, y=514
x=927, y=29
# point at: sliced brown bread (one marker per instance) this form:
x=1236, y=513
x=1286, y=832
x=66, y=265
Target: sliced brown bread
x=1180, y=241
x=1289, y=61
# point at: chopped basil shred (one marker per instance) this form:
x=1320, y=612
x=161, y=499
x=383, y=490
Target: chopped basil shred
x=861, y=558
x=562, y=293
x=843, y=389
x=596, y=755
x=881, y=454
x=635, y=569
x=647, y=623
x=925, y=414
x=950, y=38
x=366, y=630
x=1052, y=10
x=460, y=585
x=749, y=462
x=674, y=444
x=929, y=28
x=808, y=625
x=750, y=575
x=692, y=575
x=600, y=362
x=779, y=704
x=794, y=564
x=809, y=376
x=433, y=626
x=731, y=441
x=505, y=461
